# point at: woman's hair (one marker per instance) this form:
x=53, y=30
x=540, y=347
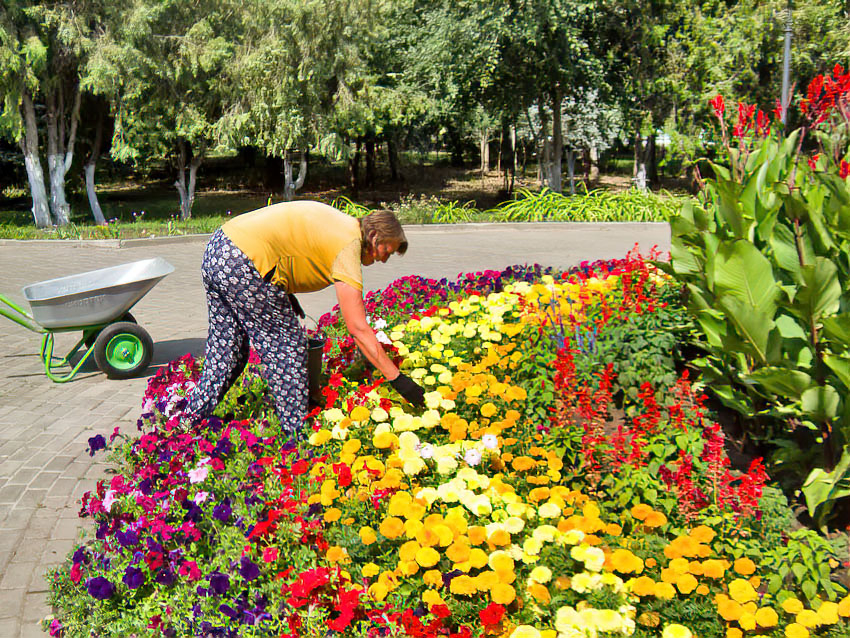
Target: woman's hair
x=386, y=227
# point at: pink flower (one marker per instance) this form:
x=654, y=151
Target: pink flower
x=190, y=570
x=200, y=497
x=199, y=474
x=270, y=554
x=76, y=573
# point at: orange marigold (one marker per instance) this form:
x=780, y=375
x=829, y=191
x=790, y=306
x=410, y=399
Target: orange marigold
x=502, y=594
x=744, y=566
x=392, y=527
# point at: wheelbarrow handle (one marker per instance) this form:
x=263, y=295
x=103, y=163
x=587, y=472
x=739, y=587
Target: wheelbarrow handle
x=19, y=315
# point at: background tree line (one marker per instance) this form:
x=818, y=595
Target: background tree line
x=144, y=80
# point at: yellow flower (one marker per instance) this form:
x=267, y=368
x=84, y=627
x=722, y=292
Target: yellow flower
x=500, y=561
x=378, y=591
x=796, y=631
x=744, y=566
x=844, y=607
x=502, y=593
x=676, y=631
x=433, y=578
x=408, y=551
x=767, y=617
x=742, y=591
x=642, y=586
x=734, y=632
x=728, y=609
x=713, y=568
x=541, y=574
x=624, y=561
x=367, y=535
x=828, y=612
x=747, y=621
x=369, y=570
x=525, y=631
x=320, y=438
x=384, y=440
x=392, y=527
x=808, y=618
x=703, y=534
x=478, y=558
x=539, y=592
x=427, y=556
x=463, y=585
x=655, y=519
x=337, y=554
x=359, y=413
x=488, y=410
x=664, y=591
x=686, y=583
x=792, y=606
x=332, y=515
x=640, y=511
x=432, y=598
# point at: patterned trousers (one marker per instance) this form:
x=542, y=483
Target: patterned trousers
x=246, y=310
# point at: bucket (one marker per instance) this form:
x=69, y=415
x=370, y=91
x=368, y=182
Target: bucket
x=315, y=347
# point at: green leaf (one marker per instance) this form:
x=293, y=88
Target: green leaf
x=820, y=292
x=822, y=488
x=837, y=329
x=790, y=384
x=840, y=366
x=820, y=403
x=743, y=272
x=785, y=249
x=753, y=326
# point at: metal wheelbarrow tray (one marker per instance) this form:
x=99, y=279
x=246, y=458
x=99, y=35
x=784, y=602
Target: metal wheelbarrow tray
x=96, y=302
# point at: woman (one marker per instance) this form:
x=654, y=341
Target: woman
x=252, y=267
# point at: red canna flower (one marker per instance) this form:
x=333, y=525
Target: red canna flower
x=718, y=105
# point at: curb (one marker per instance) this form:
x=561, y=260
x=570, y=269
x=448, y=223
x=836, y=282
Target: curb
x=116, y=244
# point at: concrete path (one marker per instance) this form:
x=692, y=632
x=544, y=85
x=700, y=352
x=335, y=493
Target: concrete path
x=44, y=427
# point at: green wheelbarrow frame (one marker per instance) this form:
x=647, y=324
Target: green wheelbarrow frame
x=25, y=319
x=97, y=303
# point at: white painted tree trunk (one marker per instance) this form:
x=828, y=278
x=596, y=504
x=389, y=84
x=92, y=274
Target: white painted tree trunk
x=557, y=144
x=187, y=193
x=484, y=145
x=640, y=164
x=571, y=169
x=32, y=162
x=96, y=211
x=60, y=155
x=289, y=186
x=593, y=172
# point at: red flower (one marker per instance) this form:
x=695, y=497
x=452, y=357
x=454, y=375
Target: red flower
x=492, y=614
x=844, y=169
x=813, y=161
x=719, y=106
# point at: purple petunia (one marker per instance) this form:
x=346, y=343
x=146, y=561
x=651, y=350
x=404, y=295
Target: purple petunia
x=128, y=538
x=97, y=442
x=219, y=583
x=133, y=577
x=222, y=511
x=100, y=588
x=248, y=569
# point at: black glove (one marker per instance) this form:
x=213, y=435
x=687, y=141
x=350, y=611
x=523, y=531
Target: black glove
x=409, y=389
x=296, y=307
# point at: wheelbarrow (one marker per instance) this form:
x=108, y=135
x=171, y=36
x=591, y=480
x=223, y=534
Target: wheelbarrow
x=97, y=303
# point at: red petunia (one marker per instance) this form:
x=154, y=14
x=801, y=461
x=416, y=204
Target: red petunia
x=492, y=614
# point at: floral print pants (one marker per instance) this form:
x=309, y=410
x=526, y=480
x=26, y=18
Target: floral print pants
x=245, y=310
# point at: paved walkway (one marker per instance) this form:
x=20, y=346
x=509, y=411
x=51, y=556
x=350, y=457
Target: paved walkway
x=44, y=426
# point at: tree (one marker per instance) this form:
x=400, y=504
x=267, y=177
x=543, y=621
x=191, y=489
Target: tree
x=164, y=66
x=40, y=57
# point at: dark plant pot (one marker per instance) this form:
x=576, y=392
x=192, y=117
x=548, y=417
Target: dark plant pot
x=315, y=347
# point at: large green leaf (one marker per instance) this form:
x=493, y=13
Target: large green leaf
x=785, y=249
x=822, y=488
x=841, y=367
x=752, y=326
x=820, y=292
x=742, y=272
x=837, y=329
x=790, y=384
x=820, y=403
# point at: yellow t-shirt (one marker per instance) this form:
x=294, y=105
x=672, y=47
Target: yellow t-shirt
x=309, y=244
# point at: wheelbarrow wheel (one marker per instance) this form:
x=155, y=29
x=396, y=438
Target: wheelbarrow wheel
x=93, y=337
x=123, y=349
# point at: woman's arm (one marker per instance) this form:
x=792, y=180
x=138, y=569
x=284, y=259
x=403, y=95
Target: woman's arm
x=351, y=305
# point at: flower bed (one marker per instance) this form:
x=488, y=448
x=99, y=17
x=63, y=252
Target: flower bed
x=564, y=480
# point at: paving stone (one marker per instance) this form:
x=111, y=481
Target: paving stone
x=17, y=575
x=35, y=608
x=11, y=626
x=33, y=497
x=11, y=494
x=58, y=463
x=32, y=630
x=66, y=528
x=10, y=602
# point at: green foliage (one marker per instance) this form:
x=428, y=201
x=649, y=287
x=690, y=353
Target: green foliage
x=593, y=206
x=765, y=258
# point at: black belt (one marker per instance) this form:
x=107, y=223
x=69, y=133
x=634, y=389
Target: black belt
x=293, y=300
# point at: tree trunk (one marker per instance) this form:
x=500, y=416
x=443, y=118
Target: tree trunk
x=354, y=170
x=651, y=161
x=593, y=164
x=484, y=146
x=60, y=155
x=187, y=194
x=370, y=162
x=557, y=143
x=88, y=169
x=291, y=186
x=392, y=157
x=639, y=171
x=35, y=173
x=571, y=169
x=544, y=149
x=506, y=153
